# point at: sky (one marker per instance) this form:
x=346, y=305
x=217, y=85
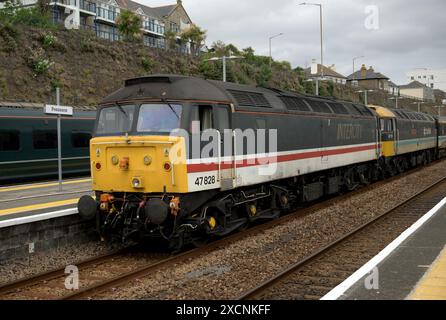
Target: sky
x=394, y=36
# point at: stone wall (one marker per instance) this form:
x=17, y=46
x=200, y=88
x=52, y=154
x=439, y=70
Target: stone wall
x=46, y=235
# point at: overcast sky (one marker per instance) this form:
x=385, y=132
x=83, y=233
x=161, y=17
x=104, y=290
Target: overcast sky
x=411, y=33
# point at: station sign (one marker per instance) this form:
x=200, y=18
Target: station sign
x=59, y=110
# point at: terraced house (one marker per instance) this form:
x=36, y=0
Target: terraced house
x=100, y=16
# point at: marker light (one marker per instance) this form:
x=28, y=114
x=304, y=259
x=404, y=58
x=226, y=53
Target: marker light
x=167, y=166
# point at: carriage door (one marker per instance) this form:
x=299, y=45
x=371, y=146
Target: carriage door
x=226, y=163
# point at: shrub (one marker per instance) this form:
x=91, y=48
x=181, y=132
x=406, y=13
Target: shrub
x=42, y=66
x=147, y=64
x=48, y=40
x=129, y=25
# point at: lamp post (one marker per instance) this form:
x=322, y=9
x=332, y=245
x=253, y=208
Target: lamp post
x=270, y=48
x=419, y=103
x=354, y=60
x=224, y=59
x=366, y=100
x=396, y=100
x=321, y=31
x=322, y=41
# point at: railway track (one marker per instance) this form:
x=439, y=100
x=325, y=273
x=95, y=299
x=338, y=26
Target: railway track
x=316, y=275
x=50, y=285
x=121, y=267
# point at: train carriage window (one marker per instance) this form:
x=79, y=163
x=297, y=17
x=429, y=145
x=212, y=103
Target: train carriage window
x=80, y=139
x=9, y=140
x=45, y=139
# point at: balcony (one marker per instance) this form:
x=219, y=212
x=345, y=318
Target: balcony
x=154, y=42
x=153, y=27
x=106, y=14
x=84, y=5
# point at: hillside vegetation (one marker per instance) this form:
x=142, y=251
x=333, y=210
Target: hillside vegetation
x=36, y=60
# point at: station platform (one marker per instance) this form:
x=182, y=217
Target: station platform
x=38, y=201
x=413, y=267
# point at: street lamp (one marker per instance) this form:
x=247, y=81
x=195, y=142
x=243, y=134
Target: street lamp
x=396, y=100
x=366, y=100
x=224, y=59
x=419, y=103
x=322, y=32
x=270, y=49
x=354, y=60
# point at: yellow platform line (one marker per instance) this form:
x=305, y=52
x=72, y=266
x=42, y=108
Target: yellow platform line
x=433, y=284
x=43, y=185
x=38, y=206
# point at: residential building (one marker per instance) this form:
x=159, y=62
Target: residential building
x=369, y=79
x=433, y=78
x=417, y=90
x=393, y=89
x=100, y=16
x=329, y=73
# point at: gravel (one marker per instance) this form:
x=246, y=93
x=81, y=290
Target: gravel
x=50, y=260
x=227, y=272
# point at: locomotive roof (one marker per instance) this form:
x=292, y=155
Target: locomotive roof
x=177, y=87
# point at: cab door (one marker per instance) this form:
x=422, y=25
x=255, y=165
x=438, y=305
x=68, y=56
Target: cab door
x=226, y=162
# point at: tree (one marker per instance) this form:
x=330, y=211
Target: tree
x=196, y=36
x=171, y=39
x=129, y=25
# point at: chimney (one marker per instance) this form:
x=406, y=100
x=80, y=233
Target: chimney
x=363, y=71
x=179, y=2
x=332, y=67
x=314, y=67
x=371, y=69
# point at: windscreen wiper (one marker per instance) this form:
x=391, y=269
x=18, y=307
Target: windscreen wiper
x=171, y=108
x=122, y=110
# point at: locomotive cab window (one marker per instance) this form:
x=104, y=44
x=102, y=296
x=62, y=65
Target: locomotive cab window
x=159, y=118
x=386, y=125
x=116, y=119
x=9, y=140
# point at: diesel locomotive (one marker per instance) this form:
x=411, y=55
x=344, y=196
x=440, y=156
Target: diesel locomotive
x=186, y=159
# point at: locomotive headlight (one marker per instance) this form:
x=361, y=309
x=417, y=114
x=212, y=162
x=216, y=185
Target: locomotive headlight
x=137, y=183
x=115, y=160
x=147, y=160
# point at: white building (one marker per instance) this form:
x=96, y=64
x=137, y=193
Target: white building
x=433, y=78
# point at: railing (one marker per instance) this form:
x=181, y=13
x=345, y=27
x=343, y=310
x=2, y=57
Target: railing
x=83, y=4
x=159, y=43
x=112, y=36
x=107, y=14
x=153, y=27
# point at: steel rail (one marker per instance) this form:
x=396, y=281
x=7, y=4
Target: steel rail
x=164, y=264
x=264, y=286
x=30, y=281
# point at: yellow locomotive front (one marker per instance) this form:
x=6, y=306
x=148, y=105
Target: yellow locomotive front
x=139, y=169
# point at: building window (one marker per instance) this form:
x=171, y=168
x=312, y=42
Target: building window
x=9, y=140
x=412, y=78
x=45, y=139
x=432, y=77
x=432, y=85
x=80, y=139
